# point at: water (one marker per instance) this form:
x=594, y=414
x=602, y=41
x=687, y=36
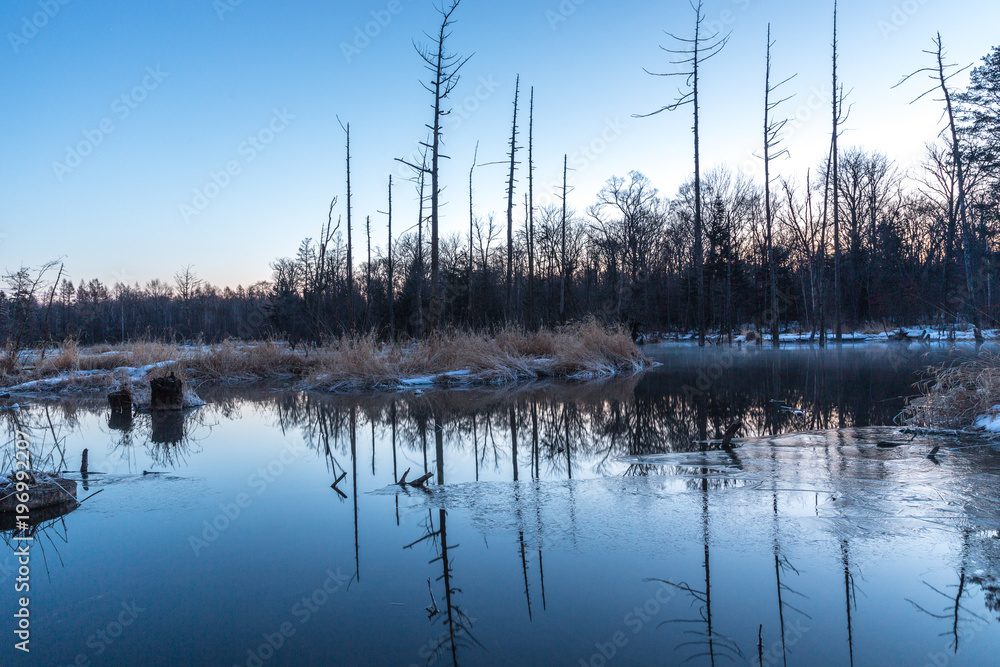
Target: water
x=576, y=525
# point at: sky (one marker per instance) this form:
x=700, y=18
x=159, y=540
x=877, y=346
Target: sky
x=146, y=136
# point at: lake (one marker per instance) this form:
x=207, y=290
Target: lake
x=565, y=524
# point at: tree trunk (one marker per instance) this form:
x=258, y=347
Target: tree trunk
x=510, y=208
x=562, y=282
x=531, y=212
x=392, y=310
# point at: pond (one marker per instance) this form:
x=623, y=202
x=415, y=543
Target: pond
x=574, y=524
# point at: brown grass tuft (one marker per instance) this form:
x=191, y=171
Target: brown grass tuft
x=957, y=395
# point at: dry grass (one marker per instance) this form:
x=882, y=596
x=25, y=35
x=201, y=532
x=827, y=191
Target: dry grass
x=585, y=349
x=233, y=361
x=957, y=395
x=70, y=357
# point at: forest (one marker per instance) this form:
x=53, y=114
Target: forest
x=859, y=240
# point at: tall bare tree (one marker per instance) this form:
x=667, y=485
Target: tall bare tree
x=941, y=73
x=839, y=119
x=472, y=222
x=691, y=56
x=510, y=205
x=772, y=141
x=350, y=244
x=531, y=211
x=390, y=282
x=562, y=259
x=368, y=272
x=444, y=67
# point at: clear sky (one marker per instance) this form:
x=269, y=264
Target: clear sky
x=143, y=136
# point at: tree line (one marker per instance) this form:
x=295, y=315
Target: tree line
x=857, y=239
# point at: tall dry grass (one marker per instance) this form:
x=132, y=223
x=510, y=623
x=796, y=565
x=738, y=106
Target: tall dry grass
x=234, y=361
x=585, y=349
x=956, y=396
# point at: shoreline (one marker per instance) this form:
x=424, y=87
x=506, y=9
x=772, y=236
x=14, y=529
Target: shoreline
x=576, y=352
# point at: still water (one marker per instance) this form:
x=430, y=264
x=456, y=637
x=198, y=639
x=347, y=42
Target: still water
x=585, y=524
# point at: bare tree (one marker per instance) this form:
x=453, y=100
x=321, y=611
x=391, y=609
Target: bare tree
x=839, y=118
x=562, y=261
x=939, y=73
x=510, y=205
x=187, y=289
x=691, y=57
x=531, y=211
x=390, y=282
x=444, y=67
x=368, y=272
x=350, y=257
x=472, y=220
x=772, y=140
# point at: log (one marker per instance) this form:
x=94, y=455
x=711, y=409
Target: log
x=422, y=480
x=83, y=463
x=727, y=439
x=167, y=393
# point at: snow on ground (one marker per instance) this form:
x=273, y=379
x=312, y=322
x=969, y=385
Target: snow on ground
x=53, y=382
x=991, y=421
x=925, y=333
x=134, y=379
x=452, y=376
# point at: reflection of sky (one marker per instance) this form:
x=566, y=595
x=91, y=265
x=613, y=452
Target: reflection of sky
x=897, y=519
x=116, y=216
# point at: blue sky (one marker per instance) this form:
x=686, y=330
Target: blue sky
x=144, y=136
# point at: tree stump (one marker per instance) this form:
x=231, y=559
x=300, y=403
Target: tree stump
x=167, y=393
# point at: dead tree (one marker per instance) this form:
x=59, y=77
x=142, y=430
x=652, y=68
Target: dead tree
x=48, y=308
x=510, y=205
x=939, y=73
x=691, y=56
x=472, y=222
x=838, y=119
x=368, y=272
x=531, y=210
x=392, y=310
x=562, y=285
x=420, y=251
x=772, y=140
x=350, y=257
x=444, y=68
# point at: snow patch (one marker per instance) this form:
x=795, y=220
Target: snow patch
x=990, y=422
